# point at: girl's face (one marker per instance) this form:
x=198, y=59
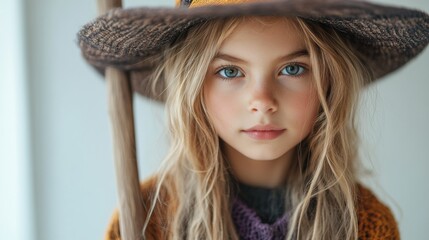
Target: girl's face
x=259, y=91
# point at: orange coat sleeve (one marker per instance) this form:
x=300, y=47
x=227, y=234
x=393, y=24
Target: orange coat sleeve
x=158, y=223
x=375, y=219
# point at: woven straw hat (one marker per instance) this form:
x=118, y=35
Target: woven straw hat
x=387, y=36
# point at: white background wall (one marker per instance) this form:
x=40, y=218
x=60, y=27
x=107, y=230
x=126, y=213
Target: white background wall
x=56, y=166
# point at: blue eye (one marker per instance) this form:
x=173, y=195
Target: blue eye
x=230, y=72
x=293, y=70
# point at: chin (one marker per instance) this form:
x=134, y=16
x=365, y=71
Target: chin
x=263, y=157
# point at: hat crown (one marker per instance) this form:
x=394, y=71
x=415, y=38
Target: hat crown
x=183, y=3
x=199, y=3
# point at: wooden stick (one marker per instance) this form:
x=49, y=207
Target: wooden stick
x=105, y=5
x=122, y=124
x=127, y=177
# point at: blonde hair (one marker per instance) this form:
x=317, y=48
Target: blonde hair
x=321, y=189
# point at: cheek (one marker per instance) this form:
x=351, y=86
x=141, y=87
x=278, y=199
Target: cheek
x=221, y=106
x=304, y=109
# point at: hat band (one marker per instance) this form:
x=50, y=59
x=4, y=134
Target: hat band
x=200, y=3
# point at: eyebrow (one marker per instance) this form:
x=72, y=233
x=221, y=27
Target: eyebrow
x=292, y=55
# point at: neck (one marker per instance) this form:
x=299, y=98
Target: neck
x=260, y=173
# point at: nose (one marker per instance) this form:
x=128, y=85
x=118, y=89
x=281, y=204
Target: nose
x=262, y=99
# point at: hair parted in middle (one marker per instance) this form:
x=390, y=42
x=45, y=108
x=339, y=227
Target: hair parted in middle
x=321, y=181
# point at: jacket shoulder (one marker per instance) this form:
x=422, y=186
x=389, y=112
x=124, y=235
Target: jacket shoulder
x=158, y=222
x=375, y=219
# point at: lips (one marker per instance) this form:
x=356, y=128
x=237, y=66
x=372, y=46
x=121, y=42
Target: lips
x=264, y=132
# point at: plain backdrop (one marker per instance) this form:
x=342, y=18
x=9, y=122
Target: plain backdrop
x=56, y=166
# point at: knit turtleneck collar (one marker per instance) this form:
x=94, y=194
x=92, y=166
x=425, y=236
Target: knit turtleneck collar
x=258, y=212
x=250, y=227
x=268, y=203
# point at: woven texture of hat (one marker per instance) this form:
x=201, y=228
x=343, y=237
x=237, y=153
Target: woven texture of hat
x=387, y=37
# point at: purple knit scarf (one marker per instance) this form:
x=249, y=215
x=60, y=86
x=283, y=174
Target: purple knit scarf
x=250, y=227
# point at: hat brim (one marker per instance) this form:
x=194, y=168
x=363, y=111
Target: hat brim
x=387, y=37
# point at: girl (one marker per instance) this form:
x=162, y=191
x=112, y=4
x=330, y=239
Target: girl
x=261, y=113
